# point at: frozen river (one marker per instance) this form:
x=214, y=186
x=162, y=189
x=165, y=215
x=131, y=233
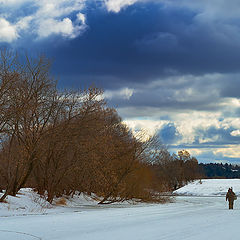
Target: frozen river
x=194, y=218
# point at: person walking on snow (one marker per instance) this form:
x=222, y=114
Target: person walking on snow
x=230, y=197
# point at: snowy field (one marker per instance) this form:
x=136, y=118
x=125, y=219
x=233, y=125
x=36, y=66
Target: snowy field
x=210, y=187
x=188, y=217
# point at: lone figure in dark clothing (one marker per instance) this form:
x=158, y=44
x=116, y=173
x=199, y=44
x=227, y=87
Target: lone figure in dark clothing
x=230, y=197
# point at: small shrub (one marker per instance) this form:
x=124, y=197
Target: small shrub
x=61, y=201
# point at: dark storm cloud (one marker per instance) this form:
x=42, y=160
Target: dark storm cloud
x=144, y=42
x=147, y=41
x=177, y=93
x=230, y=87
x=166, y=99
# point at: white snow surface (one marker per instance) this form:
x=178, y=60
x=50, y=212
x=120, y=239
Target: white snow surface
x=28, y=202
x=210, y=187
x=25, y=217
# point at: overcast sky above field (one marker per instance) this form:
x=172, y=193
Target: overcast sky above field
x=170, y=66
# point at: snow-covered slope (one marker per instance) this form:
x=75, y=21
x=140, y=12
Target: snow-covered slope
x=210, y=187
x=28, y=202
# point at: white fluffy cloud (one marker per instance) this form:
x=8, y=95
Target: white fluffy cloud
x=235, y=133
x=233, y=151
x=147, y=125
x=186, y=123
x=187, y=126
x=50, y=17
x=8, y=32
x=63, y=27
x=13, y=2
x=117, y=5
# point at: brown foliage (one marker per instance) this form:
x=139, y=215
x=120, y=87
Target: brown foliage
x=174, y=171
x=62, y=201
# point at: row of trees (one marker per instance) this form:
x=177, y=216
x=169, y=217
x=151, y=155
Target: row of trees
x=60, y=142
x=174, y=171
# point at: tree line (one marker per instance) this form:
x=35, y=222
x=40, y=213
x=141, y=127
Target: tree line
x=59, y=142
x=220, y=170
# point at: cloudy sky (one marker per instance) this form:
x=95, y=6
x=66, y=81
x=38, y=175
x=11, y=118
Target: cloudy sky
x=168, y=66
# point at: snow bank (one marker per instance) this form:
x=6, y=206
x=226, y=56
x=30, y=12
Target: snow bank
x=209, y=187
x=28, y=202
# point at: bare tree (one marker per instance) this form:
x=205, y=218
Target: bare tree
x=60, y=142
x=32, y=104
x=63, y=150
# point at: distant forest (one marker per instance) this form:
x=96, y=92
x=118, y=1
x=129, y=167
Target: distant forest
x=219, y=170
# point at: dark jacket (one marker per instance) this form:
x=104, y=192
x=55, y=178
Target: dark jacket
x=230, y=196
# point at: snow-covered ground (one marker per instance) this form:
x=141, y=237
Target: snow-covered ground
x=210, y=187
x=29, y=202
x=189, y=217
